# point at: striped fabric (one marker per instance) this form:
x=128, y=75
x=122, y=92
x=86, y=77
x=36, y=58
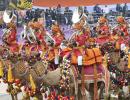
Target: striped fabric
x=51, y=3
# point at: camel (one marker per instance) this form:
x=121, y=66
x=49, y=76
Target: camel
x=21, y=70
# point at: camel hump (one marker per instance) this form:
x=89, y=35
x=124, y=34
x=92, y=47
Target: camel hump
x=20, y=67
x=38, y=71
x=39, y=68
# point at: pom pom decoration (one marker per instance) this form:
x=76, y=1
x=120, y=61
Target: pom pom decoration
x=33, y=86
x=129, y=60
x=117, y=45
x=1, y=69
x=10, y=75
x=105, y=62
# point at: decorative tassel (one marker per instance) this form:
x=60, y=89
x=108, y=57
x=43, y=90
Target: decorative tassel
x=1, y=69
x=43, y=52
x=42, y=55
x=117, y=45
x=105, y=60
x=10, y=75
x=20, y=47
x=27, y=50
x=35, y=98
x=33, y=86
x=129, y=60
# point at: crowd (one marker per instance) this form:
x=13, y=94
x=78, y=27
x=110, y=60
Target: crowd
x=64, y=15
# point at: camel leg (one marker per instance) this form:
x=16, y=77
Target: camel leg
x=11, y=88
x=101, y=86
x=91, y=90
x=12, y=96
x=16, y=97
x=81, y=95
x=26, y=97
x=39, y=96
x=72, y=91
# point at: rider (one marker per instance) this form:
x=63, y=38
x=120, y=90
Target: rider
x=103, y=30
x=80, y=37
x=39, y=32
x=120, y=32
x=122, y=28
x=36, y=38
x=89, y=60
x=54, y=48
x=57, y=34
x=10, y=33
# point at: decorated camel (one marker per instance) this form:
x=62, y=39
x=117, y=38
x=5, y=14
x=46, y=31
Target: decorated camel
x=81, y=58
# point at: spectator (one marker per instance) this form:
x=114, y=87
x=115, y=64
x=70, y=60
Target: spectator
x=110, y=12
x=118, y=8
x=42, y=13
x=90, y=19
x=29, y=14
x=85, y=10
x=66, y=14
x=97, y=9
x=46, y=14
x=48, y=18
x=53, y=14
x=125, y=9
x=58, y=9
x=58, y=14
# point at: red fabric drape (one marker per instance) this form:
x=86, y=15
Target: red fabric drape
x=52, y=3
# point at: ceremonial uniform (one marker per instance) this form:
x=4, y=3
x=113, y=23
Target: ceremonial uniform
x=120, y=33
x=10, y=37
x=122, y=28
x=103, y=31
x=57, y=34
x=58, y=37
x=39, y=32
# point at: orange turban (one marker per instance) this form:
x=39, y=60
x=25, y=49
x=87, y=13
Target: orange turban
x=120, y=19
x=102, y=20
